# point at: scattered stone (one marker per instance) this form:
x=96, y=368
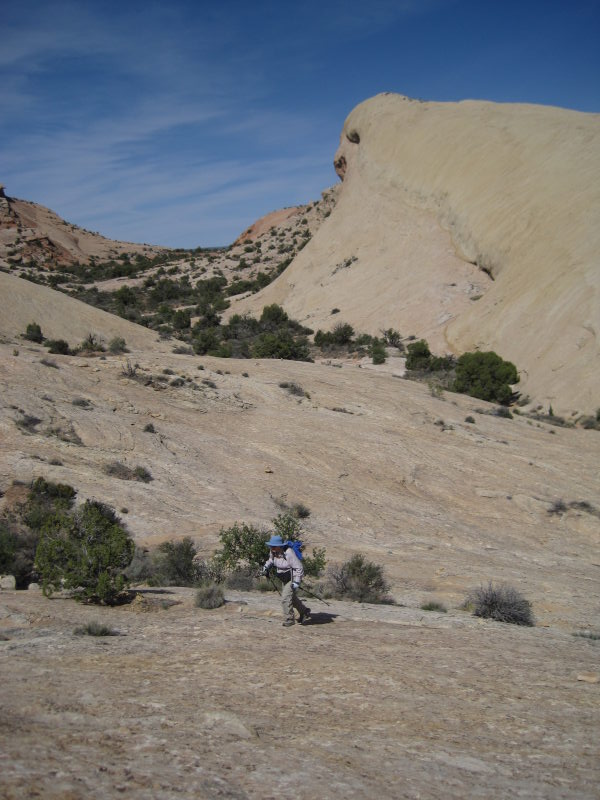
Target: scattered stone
x=8, y=582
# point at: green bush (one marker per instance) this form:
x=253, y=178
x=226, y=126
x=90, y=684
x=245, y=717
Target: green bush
x=242, y=546
x=485, y=376
x=117, y=345
x=501, y=603
x=377, y=352
x=359, y=579
x=176, y=564
x=33, y=333
x=58, y=347
x=281, y=345
x=419, y=355
x=86, y=551
x=20, y=529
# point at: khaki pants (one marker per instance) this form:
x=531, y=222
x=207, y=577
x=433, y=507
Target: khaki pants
x=291, y=601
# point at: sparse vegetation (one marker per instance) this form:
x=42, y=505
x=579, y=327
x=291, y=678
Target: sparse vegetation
x=292, y=388
x=209, y=596
x=95, y=629
x=116, y=469
x=501, y=603
x=433, y=605
x=117, y=345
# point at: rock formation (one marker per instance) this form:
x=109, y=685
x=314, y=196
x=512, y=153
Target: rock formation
x=473, y=224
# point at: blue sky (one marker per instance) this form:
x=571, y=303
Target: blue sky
x=181, y=123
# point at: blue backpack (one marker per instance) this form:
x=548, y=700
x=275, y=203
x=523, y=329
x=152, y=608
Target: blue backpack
x=296, y=547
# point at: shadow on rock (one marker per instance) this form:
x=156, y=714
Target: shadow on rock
x=320, y=618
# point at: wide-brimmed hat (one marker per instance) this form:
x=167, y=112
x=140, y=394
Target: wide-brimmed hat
x=275, y=541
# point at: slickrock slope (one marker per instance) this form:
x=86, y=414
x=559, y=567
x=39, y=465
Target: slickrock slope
x=383, y=466
x=472, y=224
x=60, y=316
x=31, y=232
x=364, y=702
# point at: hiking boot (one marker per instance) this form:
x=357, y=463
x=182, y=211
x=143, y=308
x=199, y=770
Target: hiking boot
x=304, y=616
x=288, y=622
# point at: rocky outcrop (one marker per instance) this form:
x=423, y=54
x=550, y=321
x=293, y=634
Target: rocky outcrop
x=473, y=224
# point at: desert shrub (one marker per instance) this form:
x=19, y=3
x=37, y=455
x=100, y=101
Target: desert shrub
x=91, y=344
x=392, y=338
x=281, y=344
x=81, y=402
x=142, y=568
x=244, y=580
x=149, y=428
x=17, y=551
x=242, y=546
x=377, y=352
x=485, y=376
x=176, y=564
x=502, y=411
x=28, y=422
x=116, y=469
x=47, y=362
x=292, y=388
x=470, y=419
x=419, y=355
x=58, y=347
x=209, y=596
x=20, y=527
x=117, y=345
x=95, y=629
x=359, y=579
x=434, y=606
x=86, y=551
x=33, y=333
x=501, y=603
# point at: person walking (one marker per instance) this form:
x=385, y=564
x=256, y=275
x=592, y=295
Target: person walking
x=290, y=572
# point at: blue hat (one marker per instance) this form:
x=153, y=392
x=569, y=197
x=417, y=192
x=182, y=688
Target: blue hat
x=275, y=541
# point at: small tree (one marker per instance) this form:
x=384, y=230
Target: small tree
x=87, y=551
x=242, y=546
x=485, y=376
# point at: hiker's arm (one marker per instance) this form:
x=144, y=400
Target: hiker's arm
x=295, y=564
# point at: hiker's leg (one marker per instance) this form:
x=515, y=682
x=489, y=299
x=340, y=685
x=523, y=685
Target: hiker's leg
x=297, y=603
x=287, y=599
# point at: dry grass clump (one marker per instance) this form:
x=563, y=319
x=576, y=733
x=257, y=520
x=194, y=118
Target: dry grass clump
x=501, y=603
x=116, y=469
x=95, y=629
x=209, y=596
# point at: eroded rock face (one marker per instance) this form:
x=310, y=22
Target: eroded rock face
x=431, y=189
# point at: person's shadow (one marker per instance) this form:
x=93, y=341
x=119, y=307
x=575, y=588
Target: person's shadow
x=320, y=618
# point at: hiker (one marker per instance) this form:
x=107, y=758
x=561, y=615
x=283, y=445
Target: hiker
x=290, y=572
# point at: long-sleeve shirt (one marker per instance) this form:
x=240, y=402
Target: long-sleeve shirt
x=288, y=561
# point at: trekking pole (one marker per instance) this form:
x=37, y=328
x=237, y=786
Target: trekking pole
x=312, y=594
